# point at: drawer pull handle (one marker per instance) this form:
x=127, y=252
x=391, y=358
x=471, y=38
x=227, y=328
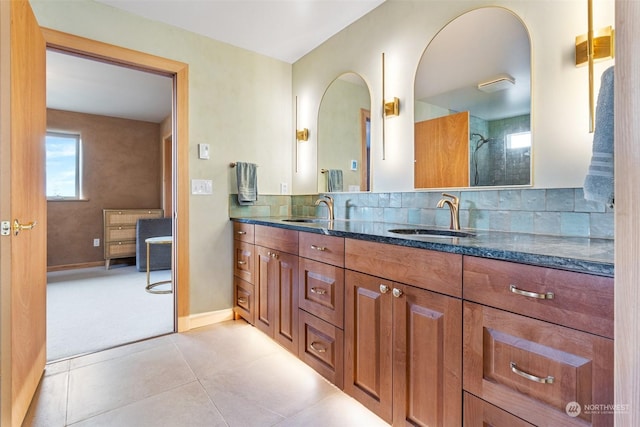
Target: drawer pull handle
x=396, y=292
x=515, y=290
x=242, y=262
x=242, y=300
x=515, y=370
x=318, y=248
x=316, y=347
x=318, y=291
x=241, y=232
x=384, y=289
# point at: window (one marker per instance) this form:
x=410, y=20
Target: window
x=519, y=140
x=63, y=166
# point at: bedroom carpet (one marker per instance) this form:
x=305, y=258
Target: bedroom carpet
x=94, y=309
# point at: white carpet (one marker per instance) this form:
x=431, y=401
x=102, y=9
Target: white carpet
x=94, y=309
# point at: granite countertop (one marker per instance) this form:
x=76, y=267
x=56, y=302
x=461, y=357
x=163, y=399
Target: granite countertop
x=579, y=254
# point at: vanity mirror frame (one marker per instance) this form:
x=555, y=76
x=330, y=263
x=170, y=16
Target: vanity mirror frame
x=347, y=102
x=510, y=167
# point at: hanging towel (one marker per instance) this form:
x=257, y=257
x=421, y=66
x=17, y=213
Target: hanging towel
x=247, y=178
x=334, y=180
x=599, y=183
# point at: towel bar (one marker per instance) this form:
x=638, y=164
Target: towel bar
x=233, y=165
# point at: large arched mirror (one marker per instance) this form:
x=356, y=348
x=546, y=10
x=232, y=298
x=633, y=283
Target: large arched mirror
x=344, y=147
x=473, y=103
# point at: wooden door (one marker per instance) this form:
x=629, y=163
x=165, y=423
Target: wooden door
x=23, y=198
x=428, y=358
x=286, y=309
x=442, y=152
x=368, y=342
x=265, y=292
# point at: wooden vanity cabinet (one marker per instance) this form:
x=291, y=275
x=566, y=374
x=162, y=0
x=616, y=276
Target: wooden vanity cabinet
x=321, y=304
x=244, y=272
x=276, y=272
x=403, y=343
x=535, y=368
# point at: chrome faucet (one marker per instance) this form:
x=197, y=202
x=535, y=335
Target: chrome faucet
x=454, y=205
x=327, y=200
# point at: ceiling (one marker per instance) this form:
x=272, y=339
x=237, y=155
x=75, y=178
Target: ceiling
x=281, y=29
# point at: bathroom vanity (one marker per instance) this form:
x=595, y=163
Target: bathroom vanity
x=494, y=329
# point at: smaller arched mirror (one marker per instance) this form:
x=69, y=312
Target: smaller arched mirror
x=473, y=103
x=344, y=143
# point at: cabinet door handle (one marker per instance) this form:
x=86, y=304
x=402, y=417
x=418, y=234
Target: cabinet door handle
x=272, y=254
x=242, y=300
x=241, y=232
x=318, y=291
x=318, y=248
x=523, y=374
x=315, y=346
x=242, y=262
x=515, y=290
x=384, y=289
x=397, y=292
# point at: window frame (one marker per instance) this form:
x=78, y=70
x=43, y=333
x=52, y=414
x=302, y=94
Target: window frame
x=78, y=165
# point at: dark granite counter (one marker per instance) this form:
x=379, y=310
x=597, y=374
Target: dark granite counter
x=579, y=254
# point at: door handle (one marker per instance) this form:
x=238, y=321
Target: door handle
x=18, y=227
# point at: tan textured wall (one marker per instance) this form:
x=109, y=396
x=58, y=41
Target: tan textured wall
x=121, y=169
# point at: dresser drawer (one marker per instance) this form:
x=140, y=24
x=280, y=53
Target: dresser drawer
x=119, y=233
x=120, y=249
x=244, y=299
x=478, y=413
x=244, y=261
x=321, y=347
x=243, y=232
x=322, y=291
x=277, y=238
x=327, y=249
x=534, y=369
x=431, y=270
x=577, y=300
x=129, y=216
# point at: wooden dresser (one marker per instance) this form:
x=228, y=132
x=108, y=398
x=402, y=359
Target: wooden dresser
x=120, y=231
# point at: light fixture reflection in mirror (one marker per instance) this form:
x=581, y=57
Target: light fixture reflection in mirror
x=344, y=141
x=472, y=95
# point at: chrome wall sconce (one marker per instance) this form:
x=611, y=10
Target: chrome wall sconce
x=302, y=135
x=392, y=108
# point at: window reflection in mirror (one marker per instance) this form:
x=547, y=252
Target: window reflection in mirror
x=344, y=143
x=477, y=66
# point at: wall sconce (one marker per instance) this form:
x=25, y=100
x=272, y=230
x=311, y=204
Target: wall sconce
x=302, y=135
x=392, y=108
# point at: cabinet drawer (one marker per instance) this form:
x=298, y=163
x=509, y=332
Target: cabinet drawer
x=435, y=271
x=322, y=291
x=478, y=413
x=580, y=301
x=534, y=369
x=243, y=232
x=321, y=347
x=120, y=249
x=129, y=216
x=243, y=261
x=120, y=233
x=277, y=238
x=327, y=249
x=244, y=299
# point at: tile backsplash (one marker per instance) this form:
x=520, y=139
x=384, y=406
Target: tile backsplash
x=559, y=212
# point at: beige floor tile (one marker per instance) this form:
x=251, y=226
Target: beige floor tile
x=49, y=405
x=108, y=385
x=187, y=405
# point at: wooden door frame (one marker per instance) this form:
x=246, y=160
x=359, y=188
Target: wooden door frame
x=179, y=129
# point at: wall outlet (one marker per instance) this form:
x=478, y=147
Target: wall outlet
x=96, y=243
x=284, y=188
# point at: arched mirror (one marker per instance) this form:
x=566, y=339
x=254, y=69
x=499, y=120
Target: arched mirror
x=473, y=103
x=344, y=143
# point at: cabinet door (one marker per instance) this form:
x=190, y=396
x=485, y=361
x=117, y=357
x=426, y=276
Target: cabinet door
x=265, y=290
x=368, y=342
x=286, y=309
x=427, y=371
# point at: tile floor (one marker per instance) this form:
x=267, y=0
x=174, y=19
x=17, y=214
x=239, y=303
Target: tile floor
x=228, y=374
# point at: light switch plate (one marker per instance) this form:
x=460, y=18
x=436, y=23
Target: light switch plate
x=201, y=186
x=203, y=151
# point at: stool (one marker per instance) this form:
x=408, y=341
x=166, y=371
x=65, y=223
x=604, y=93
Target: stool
x=161, y=240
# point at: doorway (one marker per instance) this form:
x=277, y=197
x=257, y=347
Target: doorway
x=174, y=144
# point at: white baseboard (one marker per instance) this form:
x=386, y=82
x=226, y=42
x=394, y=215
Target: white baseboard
x=203, y=319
